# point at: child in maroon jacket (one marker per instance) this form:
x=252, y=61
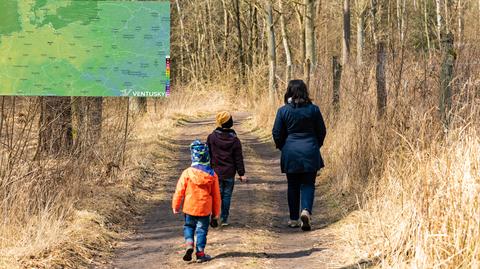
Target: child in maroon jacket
x=226, y=158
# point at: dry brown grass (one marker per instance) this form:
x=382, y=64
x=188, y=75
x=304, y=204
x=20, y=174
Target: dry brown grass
x=46, y=222
x=416, y=186
x=68, y=211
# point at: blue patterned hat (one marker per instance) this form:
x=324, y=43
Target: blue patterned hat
x=200, y=153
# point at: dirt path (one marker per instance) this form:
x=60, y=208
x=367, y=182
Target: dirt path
x=258, y=236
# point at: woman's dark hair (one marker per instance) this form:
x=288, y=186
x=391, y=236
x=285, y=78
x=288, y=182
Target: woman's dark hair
x=298, y=92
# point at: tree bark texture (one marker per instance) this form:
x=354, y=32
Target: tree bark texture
x=272, y=56
x=446, y=78
x=346, y=32
x=55, y=132
x=337, y=78
x=381, y=79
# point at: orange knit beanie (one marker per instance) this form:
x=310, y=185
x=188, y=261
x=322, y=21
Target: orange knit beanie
x=222, y=117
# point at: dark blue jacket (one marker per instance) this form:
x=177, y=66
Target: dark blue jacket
x=299, y=132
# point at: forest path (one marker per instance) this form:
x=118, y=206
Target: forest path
x=257, y=236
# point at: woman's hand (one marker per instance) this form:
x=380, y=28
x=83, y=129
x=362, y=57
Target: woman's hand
x=243, y=179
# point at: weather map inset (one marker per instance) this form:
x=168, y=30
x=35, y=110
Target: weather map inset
x=84, y=48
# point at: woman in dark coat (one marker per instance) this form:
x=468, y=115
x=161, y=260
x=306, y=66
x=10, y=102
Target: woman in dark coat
x=299, y=132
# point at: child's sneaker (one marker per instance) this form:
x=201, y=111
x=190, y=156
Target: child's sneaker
x=293, y=223
x=305, y=217
x=188, y=253
x=202, y=257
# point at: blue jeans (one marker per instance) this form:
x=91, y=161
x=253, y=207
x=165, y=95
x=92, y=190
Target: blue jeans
x=301, y=188
x=196, y=225
x=226, y=190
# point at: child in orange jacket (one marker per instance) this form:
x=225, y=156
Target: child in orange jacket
x=199, y=189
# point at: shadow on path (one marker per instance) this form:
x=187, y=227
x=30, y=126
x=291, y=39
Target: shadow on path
x=288, y=255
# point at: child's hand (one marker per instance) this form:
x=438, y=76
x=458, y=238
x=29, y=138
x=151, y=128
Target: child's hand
x=175, y=211
x=214, y=222
x=243, y=179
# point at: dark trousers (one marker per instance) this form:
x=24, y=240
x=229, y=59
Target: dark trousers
x=226, y=191
x=301, y=189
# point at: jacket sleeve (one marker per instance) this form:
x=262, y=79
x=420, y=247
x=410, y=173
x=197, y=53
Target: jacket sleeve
x=238, y=157
x=279, y=131
x=320, y=129
x=217, y=200
x=179, y=192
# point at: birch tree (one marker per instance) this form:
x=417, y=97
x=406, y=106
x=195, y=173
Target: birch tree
x=226, y=29
x=438, y=8
x=309, y=33
x=272, y=56
x=361, y=10
x=288, y=56
x=238, y=23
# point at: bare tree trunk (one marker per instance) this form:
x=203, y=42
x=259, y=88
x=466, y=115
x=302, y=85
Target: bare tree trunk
x=87, y=113
x=446, y=77
x=272, y=57
x=402, y=21
x=427, y=34
x=401, y=8
x=288, y=56
x=55, y=132
x=346, y=32
x=182, y=54
x=373, y=11
x=438, y=9
x=337, y=78
x=301, y=19
x=241, y=56
x=138, y=105
x=461, y=22
x=213, y=46
x=398, y=10
x=255, y=36
x=307, y=71
x=381, y=79
x=226, y=30
x=309, y=33
x=360, y=36
x=251, y=12
x=446, y=19
x=183, y=41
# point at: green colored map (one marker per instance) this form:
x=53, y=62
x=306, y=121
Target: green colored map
x=84, y=48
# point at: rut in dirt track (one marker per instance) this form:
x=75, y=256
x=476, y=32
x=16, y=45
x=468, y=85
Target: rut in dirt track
x=258, y=236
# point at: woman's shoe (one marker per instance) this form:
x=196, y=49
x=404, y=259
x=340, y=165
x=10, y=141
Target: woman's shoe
x=305, y=217
x=293, y=223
